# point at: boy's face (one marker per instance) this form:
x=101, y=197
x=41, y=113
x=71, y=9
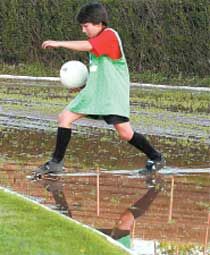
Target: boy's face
x=92, y=30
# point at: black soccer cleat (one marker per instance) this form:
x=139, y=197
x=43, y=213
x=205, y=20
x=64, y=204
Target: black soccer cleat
x=50, y=167
x=153, y=166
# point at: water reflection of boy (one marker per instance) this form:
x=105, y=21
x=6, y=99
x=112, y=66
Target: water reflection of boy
x=106, y=94
x=125, y=224
x=56, y=188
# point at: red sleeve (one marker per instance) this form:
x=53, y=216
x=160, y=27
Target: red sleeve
x=106, y=43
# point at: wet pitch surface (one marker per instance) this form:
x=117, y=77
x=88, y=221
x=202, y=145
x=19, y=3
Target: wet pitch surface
x=177, y=211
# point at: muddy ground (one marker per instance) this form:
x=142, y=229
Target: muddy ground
x=178, y=124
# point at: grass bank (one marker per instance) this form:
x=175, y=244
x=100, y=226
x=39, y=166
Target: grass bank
x=39, y=69
x=27, y=228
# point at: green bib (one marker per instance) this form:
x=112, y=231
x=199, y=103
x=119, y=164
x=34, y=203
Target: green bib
x=107, y=88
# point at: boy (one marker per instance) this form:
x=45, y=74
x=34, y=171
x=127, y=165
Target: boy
x=106, y=94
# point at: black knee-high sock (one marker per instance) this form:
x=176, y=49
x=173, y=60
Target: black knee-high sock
x=141, y=143
x=63, y=138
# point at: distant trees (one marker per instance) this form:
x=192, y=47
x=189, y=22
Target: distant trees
x=162, y=36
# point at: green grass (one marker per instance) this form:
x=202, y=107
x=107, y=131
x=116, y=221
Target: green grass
x=179, y=79
x=35, y=69
x=146, y=105
x=39, y=69
x=171, y=248
x=173, y=100
x=27, y=228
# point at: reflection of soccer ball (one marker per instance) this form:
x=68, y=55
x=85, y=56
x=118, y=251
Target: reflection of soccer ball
x=73, y=74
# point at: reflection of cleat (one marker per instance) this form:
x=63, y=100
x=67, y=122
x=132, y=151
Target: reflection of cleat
x=155, y=181
x=152, y=167
x=150, y=182
x=33, y=177
x=50, y=167
x=155, y=165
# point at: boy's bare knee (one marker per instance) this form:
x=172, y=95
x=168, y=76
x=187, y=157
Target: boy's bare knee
x=125, y=131
x=60, y=118
x=125, y=136
x=63, y=120
x=66, y=118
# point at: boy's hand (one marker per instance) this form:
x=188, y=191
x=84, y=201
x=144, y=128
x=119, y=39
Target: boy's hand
x=76, y=89
x=50, y=44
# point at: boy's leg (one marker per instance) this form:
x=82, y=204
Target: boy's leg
x=65, y=119
x=55, y=165
x=126, y=133
x=62, y=141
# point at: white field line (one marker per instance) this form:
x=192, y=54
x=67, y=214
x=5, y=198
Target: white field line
x=28, y=78
x=109, y=239
x=135, y=172
x=148, y=85
x=144, y=85
x=175, y=170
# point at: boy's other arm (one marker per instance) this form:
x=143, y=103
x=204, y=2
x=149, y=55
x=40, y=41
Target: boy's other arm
x=71, y=45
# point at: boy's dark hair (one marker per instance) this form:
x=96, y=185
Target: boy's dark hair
x=94, y=13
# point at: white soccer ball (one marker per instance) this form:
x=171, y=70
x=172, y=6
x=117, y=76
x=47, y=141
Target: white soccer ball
x=73, y=74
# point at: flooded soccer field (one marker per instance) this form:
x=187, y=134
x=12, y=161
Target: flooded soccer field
x=174, y=217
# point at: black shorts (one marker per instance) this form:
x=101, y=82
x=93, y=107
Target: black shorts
x=110, y=119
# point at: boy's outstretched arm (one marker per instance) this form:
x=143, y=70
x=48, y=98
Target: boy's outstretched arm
x=72, y=45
